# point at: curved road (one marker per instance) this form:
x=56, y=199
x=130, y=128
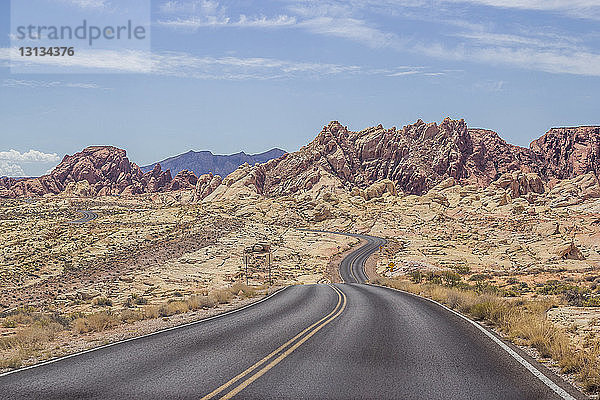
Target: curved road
x=352, y=268
x=86, y=216
x=343, y=341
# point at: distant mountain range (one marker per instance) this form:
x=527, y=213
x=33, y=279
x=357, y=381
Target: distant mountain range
x=203, y=162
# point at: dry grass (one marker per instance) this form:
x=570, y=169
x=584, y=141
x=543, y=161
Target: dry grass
x=37, y=329
x=524, y=322
x=96, y=322
x=222, y=296
x=26, y=342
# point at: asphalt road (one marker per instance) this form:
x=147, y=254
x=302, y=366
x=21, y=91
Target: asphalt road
x=86, y=216
x=343, y=341
x=352, y=268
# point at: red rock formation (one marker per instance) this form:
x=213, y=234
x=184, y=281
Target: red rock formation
x=205, y=185
x=569, y=152
x=183, y=180
x=106, y=168
x=415, y=158
x=419, y=156
x=156, y=179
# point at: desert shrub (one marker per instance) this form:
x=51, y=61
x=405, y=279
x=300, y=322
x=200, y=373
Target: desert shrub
x=129, y=316
x=196, y=302
x=9, y=323
x=150, y=312
x=221, y=296
x=13, y=361
x=592, y=302
x=172, y=308
x=247, y=291
x=102, y=302
x=134, y=300
x=462, y=269
x=96, y=322
x=451, y=278
x=416, y=276
x=140, y=301
x=62, y=319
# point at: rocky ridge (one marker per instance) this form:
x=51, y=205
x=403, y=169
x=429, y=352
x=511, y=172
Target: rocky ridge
x=411, y=160
x=418, y=157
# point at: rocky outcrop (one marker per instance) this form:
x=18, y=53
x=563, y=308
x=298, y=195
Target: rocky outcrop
x=420, y=156
x=569, y=152
x=156, y=179
x=376, y=190
x=519, y=184
x=372, y=162
x=184, y=180
x=105, y=169
x=574, y=191
x=414, y=158
x=205, y=185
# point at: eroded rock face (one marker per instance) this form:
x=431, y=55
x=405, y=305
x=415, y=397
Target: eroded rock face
x=569, y=152
x=422, y=156
x=574, y=191
x=183, y=180
x=156, y=179
x=519, y=183
x=414, y=158
x=205, y=185
x=105, y=169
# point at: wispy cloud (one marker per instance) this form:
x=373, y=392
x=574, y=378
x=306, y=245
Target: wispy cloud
x=325, y=18
x=575, y=8
x=351, y=29
x=552, y=61
x=87, y=4
x=190, y=66
x=48, y=84
x=242, y=22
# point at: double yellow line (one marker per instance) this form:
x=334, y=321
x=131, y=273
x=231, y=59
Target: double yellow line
x=279, y=354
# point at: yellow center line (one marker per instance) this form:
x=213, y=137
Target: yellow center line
x=276, y=361
x=354, y=261
x=280, y=348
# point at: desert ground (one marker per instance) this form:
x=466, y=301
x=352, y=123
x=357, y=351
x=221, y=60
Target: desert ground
x=153, y=261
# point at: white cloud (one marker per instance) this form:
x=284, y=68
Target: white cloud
x=574, y=7
x=11, y=169
x=12, y=161
x=30, y=156
x=404, y=73
x=552, y=61
x=505, y=39
x=208, y=7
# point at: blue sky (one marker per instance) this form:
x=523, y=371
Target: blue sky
x=250, y=75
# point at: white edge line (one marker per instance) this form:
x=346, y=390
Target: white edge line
x=144, y=336
x=547, y=381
